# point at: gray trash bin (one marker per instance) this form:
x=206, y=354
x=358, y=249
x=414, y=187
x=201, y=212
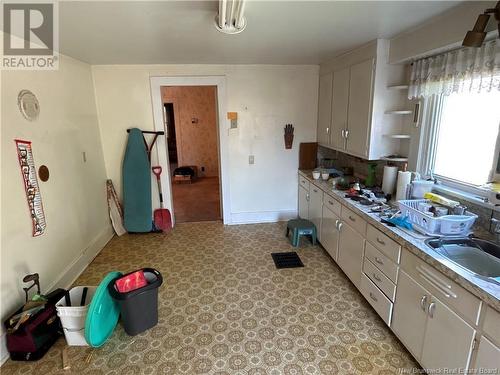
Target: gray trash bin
x=139, y=307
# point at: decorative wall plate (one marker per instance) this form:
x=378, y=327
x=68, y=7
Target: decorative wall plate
x=28, y=105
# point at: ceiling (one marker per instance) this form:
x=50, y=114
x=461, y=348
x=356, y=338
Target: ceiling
x=278, y=32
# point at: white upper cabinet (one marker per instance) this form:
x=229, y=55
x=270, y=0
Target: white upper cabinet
x=339, y=108
x=359, y=99
x=360, y=108
x=325, y=108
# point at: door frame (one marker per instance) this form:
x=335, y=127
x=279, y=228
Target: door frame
x=223, y=141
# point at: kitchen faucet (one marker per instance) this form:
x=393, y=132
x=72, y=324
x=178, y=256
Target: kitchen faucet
x=496, y=230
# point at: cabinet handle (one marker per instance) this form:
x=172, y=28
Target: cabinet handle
x=379, y=261
x=423, y=302
x=430, y=310
x=331, y=203
x=315, y=190
x=347, y=133
x=337, y=223
x=376, y=277
x=342, y=132
x=303, y=181
x=436, y=282
x=373, y=297
x=351, y=218
x=307, y=197
x=339, y=226
x=327, y=130
x=380, y=241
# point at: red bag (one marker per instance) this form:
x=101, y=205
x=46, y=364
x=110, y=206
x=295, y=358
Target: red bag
x=131, y=282
x=34, y=337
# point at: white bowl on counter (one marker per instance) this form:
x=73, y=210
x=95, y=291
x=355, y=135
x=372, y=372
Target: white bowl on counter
x=316, y=175
x=325, y=176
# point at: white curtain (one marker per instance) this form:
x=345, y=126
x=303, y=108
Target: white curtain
x=466, y=69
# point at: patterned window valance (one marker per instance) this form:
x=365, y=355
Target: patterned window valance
x=463, y=70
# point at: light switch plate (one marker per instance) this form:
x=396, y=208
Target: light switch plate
x=251, y=159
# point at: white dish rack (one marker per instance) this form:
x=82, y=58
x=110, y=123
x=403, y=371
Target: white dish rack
x=427, y=224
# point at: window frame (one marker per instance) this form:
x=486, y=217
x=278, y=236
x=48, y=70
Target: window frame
x=431, y=118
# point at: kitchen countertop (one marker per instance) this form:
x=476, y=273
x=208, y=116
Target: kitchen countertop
x=486, y=291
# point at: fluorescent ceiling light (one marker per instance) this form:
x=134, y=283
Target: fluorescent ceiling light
x=230, y=19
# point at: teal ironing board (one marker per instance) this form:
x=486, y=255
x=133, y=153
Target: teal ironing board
x=137, y=185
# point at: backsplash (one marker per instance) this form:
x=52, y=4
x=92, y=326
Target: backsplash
x=360, y=167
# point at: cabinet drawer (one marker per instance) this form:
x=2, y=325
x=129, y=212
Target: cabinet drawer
x=446, y=290
x=491, y=325
x=385, y=244
x=383, y=263
x=304, y=182
x=379, y=279
x=381, y=304
x=332, y=204
x=354, y=220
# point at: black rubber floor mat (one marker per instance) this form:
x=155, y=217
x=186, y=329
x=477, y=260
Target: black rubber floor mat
x=287, y=260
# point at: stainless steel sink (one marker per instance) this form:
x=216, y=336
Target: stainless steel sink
x=479, y=257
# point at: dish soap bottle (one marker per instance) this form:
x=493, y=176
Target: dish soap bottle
x=371, y=179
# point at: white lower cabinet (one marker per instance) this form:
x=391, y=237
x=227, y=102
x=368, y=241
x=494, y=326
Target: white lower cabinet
x=303, y=203
x=410, y=313
x=329, y=232
x=316, y=208
x=448, y=339
x=350, y=258
x=432, y=315
x=435, y=335
x=488, y=357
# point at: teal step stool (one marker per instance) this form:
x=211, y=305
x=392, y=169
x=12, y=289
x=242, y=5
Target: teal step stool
x=301, y=227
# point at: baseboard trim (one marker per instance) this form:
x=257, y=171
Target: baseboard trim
x=70, y=274
x=262, y=217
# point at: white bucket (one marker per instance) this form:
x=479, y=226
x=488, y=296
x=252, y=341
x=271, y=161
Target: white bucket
x=73, y=317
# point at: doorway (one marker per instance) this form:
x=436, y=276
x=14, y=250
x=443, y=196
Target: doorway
x=190, y=114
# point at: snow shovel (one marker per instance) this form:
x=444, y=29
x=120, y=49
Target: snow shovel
x=162, y=218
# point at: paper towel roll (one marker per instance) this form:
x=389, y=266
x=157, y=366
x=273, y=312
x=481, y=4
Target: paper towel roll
x=389, y=179
x=404, y=179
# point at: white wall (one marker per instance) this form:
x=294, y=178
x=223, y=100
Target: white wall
x=266, y=98
x=441, y=31
x=74, y=198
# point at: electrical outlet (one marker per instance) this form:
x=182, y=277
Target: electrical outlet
x=251, y=159
x=203, y=169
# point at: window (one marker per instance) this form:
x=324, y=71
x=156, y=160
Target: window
x=462, y=137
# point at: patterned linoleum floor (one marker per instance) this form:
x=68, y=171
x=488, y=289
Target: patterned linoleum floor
x=225, y=309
